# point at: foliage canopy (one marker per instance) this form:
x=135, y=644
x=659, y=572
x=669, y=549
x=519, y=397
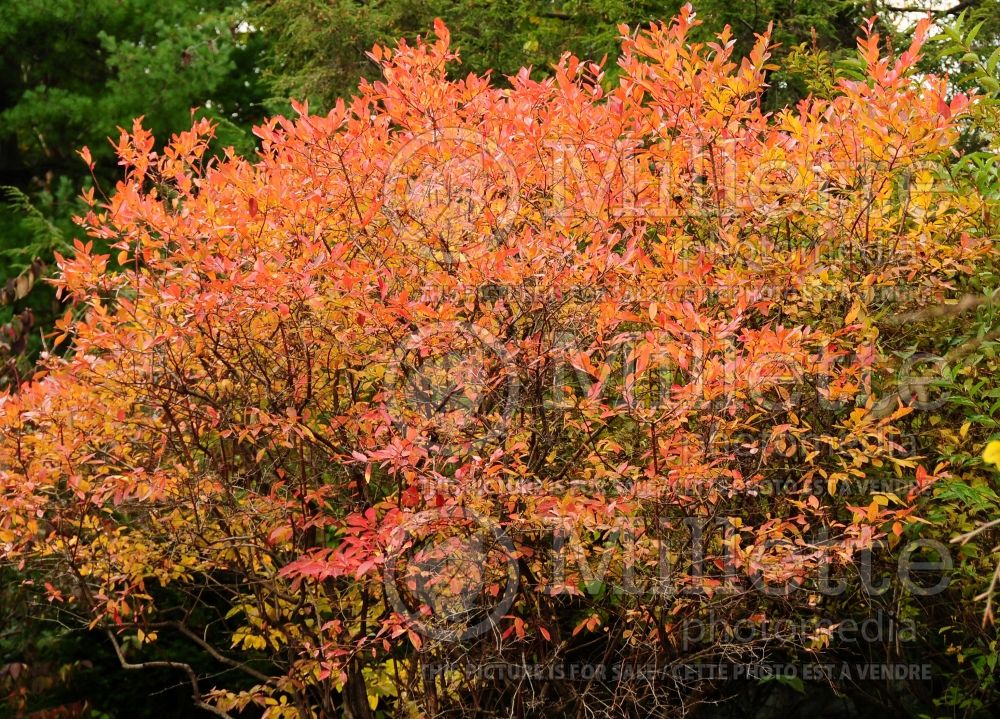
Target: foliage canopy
x=547, y=331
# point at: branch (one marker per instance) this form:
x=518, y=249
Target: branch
x=962, y=539
x=213, y=652
x=186, y=668
x=954, y=10
x=891, y=402
x=991, y=590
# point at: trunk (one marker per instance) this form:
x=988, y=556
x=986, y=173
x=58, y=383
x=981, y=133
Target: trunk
x=356, y=694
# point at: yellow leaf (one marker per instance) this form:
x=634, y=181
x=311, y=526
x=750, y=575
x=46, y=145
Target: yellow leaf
x=852, y=314
x=991, y=455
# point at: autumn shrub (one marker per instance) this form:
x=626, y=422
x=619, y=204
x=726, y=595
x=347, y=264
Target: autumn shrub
x=456, y=379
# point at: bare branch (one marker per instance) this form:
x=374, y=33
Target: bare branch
x=182, y=666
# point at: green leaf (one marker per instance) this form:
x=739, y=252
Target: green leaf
x=990, y=83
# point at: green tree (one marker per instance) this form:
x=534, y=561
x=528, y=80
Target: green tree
x=318, y=45
x=71, y=73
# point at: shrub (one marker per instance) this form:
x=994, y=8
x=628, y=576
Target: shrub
x=458, y=377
